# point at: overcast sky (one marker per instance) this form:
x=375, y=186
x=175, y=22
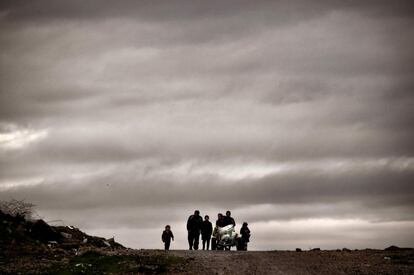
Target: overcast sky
x=119, y=117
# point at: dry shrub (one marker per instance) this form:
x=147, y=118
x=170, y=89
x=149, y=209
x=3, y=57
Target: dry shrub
x=17, y=208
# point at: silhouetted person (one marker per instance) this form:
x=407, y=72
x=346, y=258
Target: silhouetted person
x=245, y=235
x=228, y=219
x=220, y=220
x=194, y=224
x=167, y=236
x=206, y=231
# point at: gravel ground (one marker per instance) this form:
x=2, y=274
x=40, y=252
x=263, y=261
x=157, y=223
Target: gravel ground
x=215, y=262
x=290, y=262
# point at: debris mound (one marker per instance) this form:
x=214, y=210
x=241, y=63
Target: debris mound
x=396, y=248
x=20, y=236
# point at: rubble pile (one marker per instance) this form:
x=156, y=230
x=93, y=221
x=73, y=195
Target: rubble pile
x=35, y=247
x=21, y=236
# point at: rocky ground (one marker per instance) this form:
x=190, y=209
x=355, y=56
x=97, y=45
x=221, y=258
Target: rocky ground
x=128, y=261
x=291, y=262
x=34, y=247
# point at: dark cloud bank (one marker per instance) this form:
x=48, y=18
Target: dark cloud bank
x=122, y=116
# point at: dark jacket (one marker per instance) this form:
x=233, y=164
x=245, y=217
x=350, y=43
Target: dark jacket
x=220, y=222
x=194, y=223
x=245, y=233
x=167, y=236
x=206, y=230
x=228, y=220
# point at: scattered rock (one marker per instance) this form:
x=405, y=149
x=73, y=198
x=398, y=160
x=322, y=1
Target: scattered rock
x=346, y=249
x=43, y=232
x=52, y=243
x=111, y=240
x=68, y=246
x=298, y=250
x=316, y=249
x=66, y=235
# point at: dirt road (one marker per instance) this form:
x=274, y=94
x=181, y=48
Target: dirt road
x=290, y=262
x=130, y=261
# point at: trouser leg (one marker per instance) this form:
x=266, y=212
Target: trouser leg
x=196, y=240
x=167, y=245
x=190, y=240
x=204, y=244
x=208, y=244
x=244, y=244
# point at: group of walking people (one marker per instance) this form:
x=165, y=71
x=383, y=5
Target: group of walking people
x=196, y=226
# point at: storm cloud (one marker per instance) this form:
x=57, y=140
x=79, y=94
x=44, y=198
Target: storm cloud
x=122, y=116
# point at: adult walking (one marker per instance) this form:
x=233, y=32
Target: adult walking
x=245, y=236
x=194, y=225
x=206, y=231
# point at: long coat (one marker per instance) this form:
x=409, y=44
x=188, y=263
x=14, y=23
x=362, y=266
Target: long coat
x=206, y=230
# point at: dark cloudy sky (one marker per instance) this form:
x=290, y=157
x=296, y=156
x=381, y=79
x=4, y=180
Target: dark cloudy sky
x=119, y=117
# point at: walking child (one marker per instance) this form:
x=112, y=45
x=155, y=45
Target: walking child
x=167, y=236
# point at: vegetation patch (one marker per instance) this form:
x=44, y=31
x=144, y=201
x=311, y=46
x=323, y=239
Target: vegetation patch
x=401, y=259
x=94, y=262
x=158, y=263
